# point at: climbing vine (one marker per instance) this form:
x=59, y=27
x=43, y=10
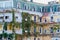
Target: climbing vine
x=26, y=22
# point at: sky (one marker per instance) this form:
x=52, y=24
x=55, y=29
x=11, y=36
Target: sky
x=43, y=1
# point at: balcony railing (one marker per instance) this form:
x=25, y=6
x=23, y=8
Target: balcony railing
x=9, y=31
x=18, y=31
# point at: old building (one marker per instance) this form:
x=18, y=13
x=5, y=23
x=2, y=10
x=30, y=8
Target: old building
x=27, y=20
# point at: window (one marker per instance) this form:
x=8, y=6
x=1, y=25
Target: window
x=0, y=37
x=58, y=20
x=25, y=7
x=46, y=9
x=1, y=17
x=18, y=5
x=34, y=38
x=56, y=39
x=33, y=8
x=34, y=29
x=9, y=38
x=51, y=30
x=45, y=31
x=6, y=17
x=40, y=19
x=45, y=20
x=40, y=29
x=58, y=30
x=51, y=18
x=34, y=18
x=28, y=7
x=58, y=9
x=38, y=39
x=16, y=17
x=40, y=9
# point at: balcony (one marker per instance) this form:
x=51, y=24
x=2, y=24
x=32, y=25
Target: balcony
x=9, y=31
x=30, y=12
x=18, y=31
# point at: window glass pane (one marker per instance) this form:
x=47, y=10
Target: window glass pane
x=6, y=17
x=51, y=30
x=34, y=18
x=1, y=17
x=58, y=9
x=40, y=19
x=40, y=30
x=45, y=20
x=34, y=29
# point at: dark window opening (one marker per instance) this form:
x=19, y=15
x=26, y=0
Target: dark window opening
x=25, y=7
x=45, y=31
x=58, y=9
x=0, y=37
x=40, y=30
x=34, y=18
x=34, y=38
x=16, y=17
x=45, y=20
x=6, y=17
x=56, y=39
x=40, y=19
x=51, y=29
x=9, y=38
x=58, y=30
x=34, y=30
x=38, y=39
x=51, y=18
x=1, y=17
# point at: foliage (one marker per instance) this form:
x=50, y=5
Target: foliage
x=11, y=35
x=56, y=27
x=5, y=26
x=5, y=35
x=26, y=23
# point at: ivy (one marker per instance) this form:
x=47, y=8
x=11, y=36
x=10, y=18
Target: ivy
x=5, y=26
x=26, y=23
x=5, y=35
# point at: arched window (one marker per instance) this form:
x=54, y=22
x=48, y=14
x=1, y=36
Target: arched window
x=33, y=8
x=51, y=18
x=18, y=5
x=58, y=9
x=25, y=7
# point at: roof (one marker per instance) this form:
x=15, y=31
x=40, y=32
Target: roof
x=35, y=3
x=4, y=0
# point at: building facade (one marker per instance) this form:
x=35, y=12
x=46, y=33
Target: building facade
x=27, y=20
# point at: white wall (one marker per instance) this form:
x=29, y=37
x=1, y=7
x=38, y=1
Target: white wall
x=56, y=38
x=9, y=19
x=19, y=19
